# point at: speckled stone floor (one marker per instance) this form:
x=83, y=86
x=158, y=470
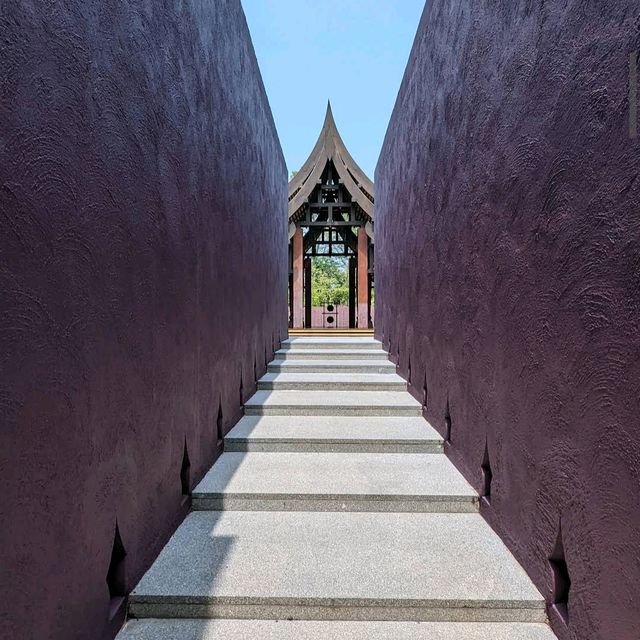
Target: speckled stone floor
x=333, y=513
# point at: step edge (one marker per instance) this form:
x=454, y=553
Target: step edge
x=337, y=497
x=353, y=613
x=329, y=601
x=331, y=386
x=270, y=446
x=265, y=440
x=298, y=410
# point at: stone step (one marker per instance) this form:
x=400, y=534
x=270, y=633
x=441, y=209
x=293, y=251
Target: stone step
x=331, y=366
x=354, y=342
x=331, y=354
x=331, y=333
x=337, y=566
x=330, y=630
x=334, y=433
x=333, y=381
x=333, y=403
x=334, y=482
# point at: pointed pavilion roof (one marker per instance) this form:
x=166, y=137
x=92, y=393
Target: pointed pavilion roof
x=330, y=146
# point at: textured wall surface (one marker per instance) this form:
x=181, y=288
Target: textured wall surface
x=508, y=278
x=142, y=272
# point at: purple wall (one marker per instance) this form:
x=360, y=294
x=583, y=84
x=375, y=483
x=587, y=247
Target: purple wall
x=142, y=268
x=508, y=277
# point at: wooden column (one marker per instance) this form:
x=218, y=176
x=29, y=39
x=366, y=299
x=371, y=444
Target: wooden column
x=307, y=292
x=363, y=279
x=298, y=279
x=290, y=300
x=353, y=264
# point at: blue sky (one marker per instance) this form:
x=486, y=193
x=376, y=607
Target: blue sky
x=352, y=52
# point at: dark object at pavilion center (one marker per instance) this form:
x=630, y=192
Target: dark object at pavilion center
x=330, y=214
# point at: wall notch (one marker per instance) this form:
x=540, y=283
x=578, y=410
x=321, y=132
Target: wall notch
x=219, y=424
x=487, y=474
x=116, y=574
x=425, y=392
x=561, y=578
x=447, y=423
x=185, y=471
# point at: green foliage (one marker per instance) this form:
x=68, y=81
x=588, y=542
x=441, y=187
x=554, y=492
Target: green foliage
x=330, y=281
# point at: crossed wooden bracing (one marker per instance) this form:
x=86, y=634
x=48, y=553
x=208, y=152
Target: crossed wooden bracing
x=330, y=160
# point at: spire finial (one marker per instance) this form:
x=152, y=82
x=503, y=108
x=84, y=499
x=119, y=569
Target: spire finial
x=329, y=115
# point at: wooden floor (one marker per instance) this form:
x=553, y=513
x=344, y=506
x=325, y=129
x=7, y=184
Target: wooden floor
x=330, y=332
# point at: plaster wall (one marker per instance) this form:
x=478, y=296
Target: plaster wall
x=143, y=276
x=508, y=279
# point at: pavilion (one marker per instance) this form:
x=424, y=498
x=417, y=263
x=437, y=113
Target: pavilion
x=331, y=213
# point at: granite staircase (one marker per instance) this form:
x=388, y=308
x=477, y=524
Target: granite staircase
x=333, y=513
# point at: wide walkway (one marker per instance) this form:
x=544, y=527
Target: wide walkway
x=333, y=513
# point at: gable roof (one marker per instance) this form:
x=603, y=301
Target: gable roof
x=330, y=146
